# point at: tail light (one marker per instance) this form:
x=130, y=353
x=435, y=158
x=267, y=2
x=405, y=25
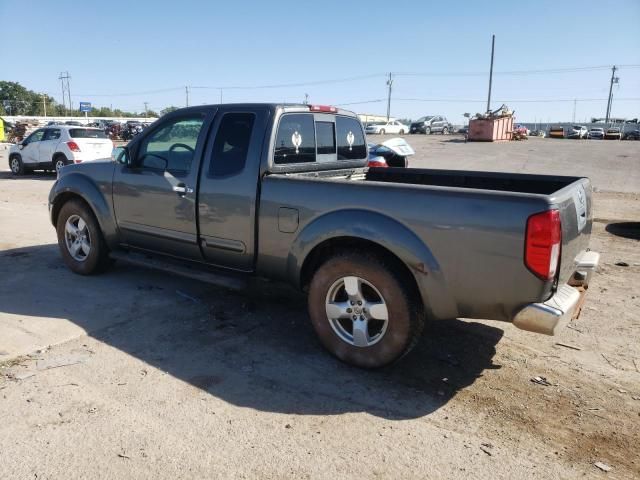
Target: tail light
x=378, y=162
x=322, y=108
x=77, y=161
x=542, y=244
x=73, y=146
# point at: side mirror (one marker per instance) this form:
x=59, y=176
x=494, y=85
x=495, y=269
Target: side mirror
x=120, y=155
x=21, y=145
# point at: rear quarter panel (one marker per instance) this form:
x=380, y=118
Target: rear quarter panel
x=476, y=237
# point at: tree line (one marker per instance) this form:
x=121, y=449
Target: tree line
x=18, y=100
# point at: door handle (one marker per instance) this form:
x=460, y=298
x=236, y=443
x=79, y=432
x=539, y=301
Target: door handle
x=182, y=189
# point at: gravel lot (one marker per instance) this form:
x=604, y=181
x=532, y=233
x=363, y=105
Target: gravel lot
x=140, y=374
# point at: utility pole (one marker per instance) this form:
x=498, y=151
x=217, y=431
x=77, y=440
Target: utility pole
x=186, y=91
x=306, y=99
x=146, y=109
x=64, y=81
x=389, y=84
x=44, y=104
x=574, y=110
x=614, y=79
x=493, y=44
x=220, y=96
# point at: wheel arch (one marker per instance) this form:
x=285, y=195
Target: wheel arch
x=74, y=186
x=388, y=238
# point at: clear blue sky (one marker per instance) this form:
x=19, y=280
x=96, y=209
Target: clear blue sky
x=117, y=47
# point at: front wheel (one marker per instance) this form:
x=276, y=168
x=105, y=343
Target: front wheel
x=401, y=132
x=363, y=310
x=427, y=131
x=445, y=131
x=80, y=239
x=382, y=132
x=16, y=165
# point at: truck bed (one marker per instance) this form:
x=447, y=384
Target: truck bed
x=473, y=224
x=502, y=182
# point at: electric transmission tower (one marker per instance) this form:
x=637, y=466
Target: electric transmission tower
x=66, y=90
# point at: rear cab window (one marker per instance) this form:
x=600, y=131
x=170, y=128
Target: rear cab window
x=318, y=138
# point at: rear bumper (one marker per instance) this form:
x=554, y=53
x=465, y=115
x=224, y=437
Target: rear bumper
x=550, y=316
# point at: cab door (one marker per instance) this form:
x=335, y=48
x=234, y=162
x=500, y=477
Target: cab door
x=154, y=192
x=228, y=189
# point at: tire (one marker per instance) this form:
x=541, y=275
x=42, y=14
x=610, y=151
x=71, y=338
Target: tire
x=16, y=165
x=382, y=132
x=80, y=216
x=59, y=161
x=427, y=131
x=401, y=132
x=377, y=342
x=445, y=131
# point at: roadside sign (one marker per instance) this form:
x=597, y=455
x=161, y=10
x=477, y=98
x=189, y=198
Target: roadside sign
x=85, y=106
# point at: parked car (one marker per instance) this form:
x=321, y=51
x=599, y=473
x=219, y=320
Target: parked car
x=577, y=131
x=394, y=152
x=556, y=132
x=74, y=123
x=431, y=124
x=632, y=135
x=596, y=133
x=521, y=129
x=226, y=192
x=613, y=133
x=382, y=128
x=51, y=148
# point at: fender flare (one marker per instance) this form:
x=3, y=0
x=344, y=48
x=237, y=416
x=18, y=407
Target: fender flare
x=389, y=234
x=75, y=184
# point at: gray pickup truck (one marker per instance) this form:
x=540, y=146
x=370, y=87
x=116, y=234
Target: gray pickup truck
x=227, y=192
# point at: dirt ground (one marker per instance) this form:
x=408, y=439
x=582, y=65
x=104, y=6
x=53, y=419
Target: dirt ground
x=140, y=374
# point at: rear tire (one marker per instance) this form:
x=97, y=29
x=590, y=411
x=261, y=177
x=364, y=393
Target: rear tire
x=401, y=132
x=59, y=161
x=427, y=131
x=445, y=131
x=80, y=239
x=368, y=340
x=382, y=132
x=16, y=165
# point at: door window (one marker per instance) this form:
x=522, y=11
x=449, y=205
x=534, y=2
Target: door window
x=296, y=140
x=231, y=146
x=51, y=134
x=34, y=137
x=171, y=147
x=351, y=143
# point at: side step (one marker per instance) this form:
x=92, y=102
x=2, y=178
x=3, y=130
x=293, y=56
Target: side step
x=195, y=272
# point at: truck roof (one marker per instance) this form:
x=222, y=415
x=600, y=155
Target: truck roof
x=297, y=107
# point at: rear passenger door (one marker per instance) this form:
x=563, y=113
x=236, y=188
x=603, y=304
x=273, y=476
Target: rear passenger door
x=48, y=145
x=228, y=187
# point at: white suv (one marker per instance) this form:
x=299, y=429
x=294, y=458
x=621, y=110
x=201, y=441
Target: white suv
x=53, y=147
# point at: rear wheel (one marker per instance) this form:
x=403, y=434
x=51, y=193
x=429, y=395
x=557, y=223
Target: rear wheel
x=445, y=131
x=401, y=132
x=80, y=239
x=427, y=131
x=363, y=311
x=382, y=132
x=59, y=161
x=16, y=165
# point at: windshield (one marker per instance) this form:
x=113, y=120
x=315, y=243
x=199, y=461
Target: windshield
x=424, y=119
x=577, y=127
x=597, y=130
x=87, y=133
x=376, y=123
